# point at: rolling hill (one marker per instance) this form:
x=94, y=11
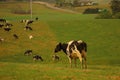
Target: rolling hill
x=54, y=26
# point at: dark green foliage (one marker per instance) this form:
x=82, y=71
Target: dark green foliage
x=105, y=14
x=91, y=11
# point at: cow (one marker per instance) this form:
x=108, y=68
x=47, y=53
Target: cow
x=37, y=57
x=8, y=24
x=2, y=20
x=28, y=52
x=29, y=22
x=15, y=36
x=74, y=50
x=55, y=57
x=28, y=28
x=7, y=29
x=1, y=25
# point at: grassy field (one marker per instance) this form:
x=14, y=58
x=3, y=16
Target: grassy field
x=102, y=37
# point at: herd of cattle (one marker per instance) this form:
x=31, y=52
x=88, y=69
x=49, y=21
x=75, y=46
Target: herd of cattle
x=73, y=49
x=7, y=27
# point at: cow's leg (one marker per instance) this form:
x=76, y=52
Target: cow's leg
x=81, y=60
x=85, y=60
x=80, y=57
x=70, y=61
x=78, y=54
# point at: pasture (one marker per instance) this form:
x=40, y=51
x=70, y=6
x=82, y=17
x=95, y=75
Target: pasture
x=53, y=26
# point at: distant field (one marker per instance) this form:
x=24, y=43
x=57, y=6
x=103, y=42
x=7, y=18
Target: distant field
x=102, y=37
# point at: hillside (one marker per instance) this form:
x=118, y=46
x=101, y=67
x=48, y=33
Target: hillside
x=54, y=26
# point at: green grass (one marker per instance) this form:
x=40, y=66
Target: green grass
x=102, y=37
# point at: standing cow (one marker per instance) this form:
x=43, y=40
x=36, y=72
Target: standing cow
x=74, y=50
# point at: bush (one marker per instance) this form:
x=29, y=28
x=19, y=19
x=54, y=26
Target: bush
x=91, y=11
x=104, y=15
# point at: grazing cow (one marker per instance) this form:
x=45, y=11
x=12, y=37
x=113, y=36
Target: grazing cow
x=8, y=24
x=2, y=20
x=1, y=25
x=7, y=29
x=37, y=57
x=73, y=50
x=15, y=36
x=29, y=22
x=28, y=28
x=28, y=52
x=24, y=21
x=55, y=57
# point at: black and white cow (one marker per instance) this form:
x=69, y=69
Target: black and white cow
x=1, y=25
x=7, y=29
x=37, y=57
x=28, y=28
x=8, y=24
x=27, y=22
x=2, y=20
x=28, y=52
x=74, y=49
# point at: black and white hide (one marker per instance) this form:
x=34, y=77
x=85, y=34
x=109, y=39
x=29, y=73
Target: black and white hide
x=28, y=52
x=37, y=57
x=74, y=50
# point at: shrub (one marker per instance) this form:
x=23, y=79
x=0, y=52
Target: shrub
x=104, y=15
x=91, y=11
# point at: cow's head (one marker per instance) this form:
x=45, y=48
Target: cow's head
x=58, y=48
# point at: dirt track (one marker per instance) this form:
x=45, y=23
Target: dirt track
x=52, y=7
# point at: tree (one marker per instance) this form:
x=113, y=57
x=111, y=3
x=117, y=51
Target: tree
x=115, y=6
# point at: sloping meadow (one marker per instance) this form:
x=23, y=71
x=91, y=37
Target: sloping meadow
x=101, y=36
